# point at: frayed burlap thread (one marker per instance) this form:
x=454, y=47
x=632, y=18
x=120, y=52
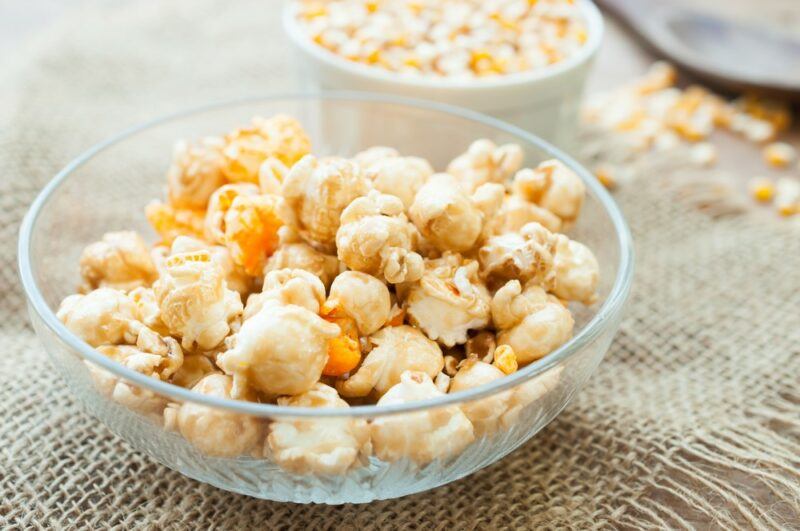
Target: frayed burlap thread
x=692, y=421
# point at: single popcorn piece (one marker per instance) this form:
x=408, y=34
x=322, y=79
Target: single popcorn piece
x=318, y=445
x=251, y=230
x=215, y=432
x=365, y=298
x=485, y=162
x=420, y=436
x=280, y=136
x=483, y=413
x=576, y=271
x=787, y=196
x=529, y=321
x=445, y=215
x=762, y=189
x=271, y=175
x=344, y=351
x=376, y=238
x=552, y=186
x=396, y=349
x=515, y=212
x=219, y=204
x=195, y=172
x=779, y=154
x=449, y=299
x=195, y=303
x=105, y=316
x=527, y=255
x=147, y=310
x=281, y=350
x=318, y=191
x=170, y=222
x=401, y=177
x=120, y=260
x=235, y=276
x=288, y=286
x=298, y=255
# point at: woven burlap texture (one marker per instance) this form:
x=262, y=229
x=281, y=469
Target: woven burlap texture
x=693, y=419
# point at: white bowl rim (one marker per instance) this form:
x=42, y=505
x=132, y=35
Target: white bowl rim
x=595, y=37
x=610, y=308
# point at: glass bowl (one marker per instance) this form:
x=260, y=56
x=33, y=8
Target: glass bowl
x=106, y=189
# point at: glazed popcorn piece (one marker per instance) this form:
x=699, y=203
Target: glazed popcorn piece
x=515, y=212
x=170, y=222
x=121, y=260
x=485, y=162
x=298, y=255
x=421, y=436
x=245, y=149
x=280, y=350
x=318, y=191
x=219, y=204
x=288, y=286
x=530, y=321
x=251, y=229
x=524, y=255
x=104, y=316
x=576, y=271
x=363, y=297
x=401, y=177
x=483, y=413
x=271, y=175
x=396, y=349
x=449, y=299
x=194, y=301
x=195, y=172
x=235, y=276
x=552, y=186
x=445, y=215
x=317, y=445
x=215, y=432
x=375, y=237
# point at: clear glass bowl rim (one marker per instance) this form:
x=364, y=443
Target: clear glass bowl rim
x=595, y=31
x=604, y=316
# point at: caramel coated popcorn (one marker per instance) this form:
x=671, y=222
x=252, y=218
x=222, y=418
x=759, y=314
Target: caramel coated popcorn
x=279, y=277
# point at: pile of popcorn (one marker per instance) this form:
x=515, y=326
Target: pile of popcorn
x=651, y=117
x=326, y=282
x=459, y=39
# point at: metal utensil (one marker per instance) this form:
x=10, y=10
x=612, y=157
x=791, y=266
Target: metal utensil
x=730, y=54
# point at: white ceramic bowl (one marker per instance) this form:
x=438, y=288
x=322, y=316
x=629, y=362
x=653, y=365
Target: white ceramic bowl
x=543, y=101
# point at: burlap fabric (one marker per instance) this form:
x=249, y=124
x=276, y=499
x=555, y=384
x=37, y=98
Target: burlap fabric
x=693, y=420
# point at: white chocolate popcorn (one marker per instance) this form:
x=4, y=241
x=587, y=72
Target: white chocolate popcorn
x=526, y=255
x=298, y=255
x=528, y=393
x=396, y=349
x=318, y=191
x=445, y=215
x=215, y=432
x=420, y=436
x=221, y=200
x=576, y=271
x=532, y=323
x=194, y=301
x=401, y=177
x=484, y=413
x=195, y=172
x=362, y=297
x=552, y=185
x=449, y=300
x=288, y=286
x=104, y=316
x=515, y=213
x=317, y=445
x=235, y=277
x=375, y=237
x=280, y=350
x=120, y=260
x=485, y=162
